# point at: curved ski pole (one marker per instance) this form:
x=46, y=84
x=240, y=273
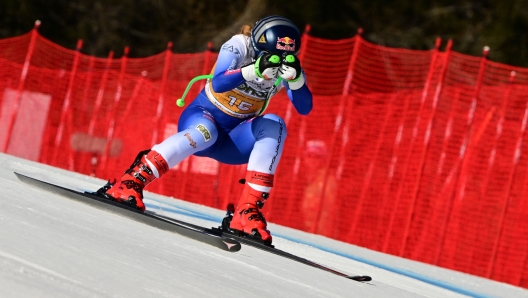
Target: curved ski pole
x=266, y=103
x=181, y=101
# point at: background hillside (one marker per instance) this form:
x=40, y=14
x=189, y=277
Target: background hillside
x=147, y=25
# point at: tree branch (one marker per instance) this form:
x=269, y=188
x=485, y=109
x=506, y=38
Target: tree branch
x=254, y=10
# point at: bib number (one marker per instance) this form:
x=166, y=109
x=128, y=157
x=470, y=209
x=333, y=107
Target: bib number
x=242, y=106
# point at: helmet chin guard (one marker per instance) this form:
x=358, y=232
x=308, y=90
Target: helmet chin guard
x=277, y=35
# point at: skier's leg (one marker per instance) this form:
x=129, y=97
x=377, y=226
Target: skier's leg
x=198, y=133
x=268, y=134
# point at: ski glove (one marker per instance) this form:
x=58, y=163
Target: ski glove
x=266, y=67
x=291, y=71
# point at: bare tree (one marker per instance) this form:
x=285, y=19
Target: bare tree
x=254, y=10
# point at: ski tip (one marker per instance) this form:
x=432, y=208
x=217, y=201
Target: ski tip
x=360, y=278
x=20, y=176
x=232, y=245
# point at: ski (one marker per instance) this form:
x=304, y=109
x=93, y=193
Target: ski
x=260, y=245
x=217, y=237
x=195, y=232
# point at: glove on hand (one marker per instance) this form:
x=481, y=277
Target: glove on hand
x=266, y=67
x=291, y=71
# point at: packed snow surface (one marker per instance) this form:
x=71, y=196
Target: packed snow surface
x=51, y=246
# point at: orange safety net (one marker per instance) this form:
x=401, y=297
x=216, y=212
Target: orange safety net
x=419, y=154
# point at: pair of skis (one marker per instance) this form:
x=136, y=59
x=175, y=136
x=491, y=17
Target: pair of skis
x=212, y=236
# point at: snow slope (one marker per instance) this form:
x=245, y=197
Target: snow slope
x=51, y=246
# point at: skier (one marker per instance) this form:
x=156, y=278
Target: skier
x=224, y=121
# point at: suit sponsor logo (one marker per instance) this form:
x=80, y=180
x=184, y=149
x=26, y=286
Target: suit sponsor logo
x=245, y=88
x=228, y=72
x=230, y=48
x=191, y=141
x=204, y=131
x=277, y=149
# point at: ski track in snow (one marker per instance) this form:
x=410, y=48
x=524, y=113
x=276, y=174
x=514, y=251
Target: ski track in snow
x=51, y=246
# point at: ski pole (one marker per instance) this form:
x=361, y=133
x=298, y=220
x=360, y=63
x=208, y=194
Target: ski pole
x=181, y=101
x=266, y=103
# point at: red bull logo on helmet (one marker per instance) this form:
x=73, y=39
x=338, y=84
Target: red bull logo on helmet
x=285, y=44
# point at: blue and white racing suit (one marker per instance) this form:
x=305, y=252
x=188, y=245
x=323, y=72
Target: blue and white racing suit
x=223, y=121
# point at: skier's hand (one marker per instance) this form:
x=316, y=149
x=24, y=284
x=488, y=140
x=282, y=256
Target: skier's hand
x=291, y=71
x=266, y=67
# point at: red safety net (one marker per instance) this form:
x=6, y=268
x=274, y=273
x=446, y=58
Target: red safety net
x=419, y=154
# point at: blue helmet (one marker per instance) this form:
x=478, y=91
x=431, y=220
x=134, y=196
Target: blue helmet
x=277, y=35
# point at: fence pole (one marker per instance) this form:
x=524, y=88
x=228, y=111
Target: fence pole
x=426, y=144
x=84, y=100
x=515, y=162
x=65, y=109
x=439, y=170
x=372, y=163
x=94, y=161
x=135, y=95
x=112, y=117
x=343, y=103
x=524, y=203
x=23, y=75
x=391, y=169
x=128, y=109
x=471, y=138
x=161, y=99
x=407, y=162
x=491, y=160
x=100, y=94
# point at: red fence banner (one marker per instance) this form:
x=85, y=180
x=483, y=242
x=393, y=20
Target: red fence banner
x=419, y=154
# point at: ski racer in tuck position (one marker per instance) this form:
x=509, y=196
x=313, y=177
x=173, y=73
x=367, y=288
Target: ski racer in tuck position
x=225, y=121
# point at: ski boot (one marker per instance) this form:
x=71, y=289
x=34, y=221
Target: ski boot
x=147, y=166
x=247, y=219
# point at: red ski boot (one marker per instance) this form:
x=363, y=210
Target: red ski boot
x=147, y=166
x=247, y=217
